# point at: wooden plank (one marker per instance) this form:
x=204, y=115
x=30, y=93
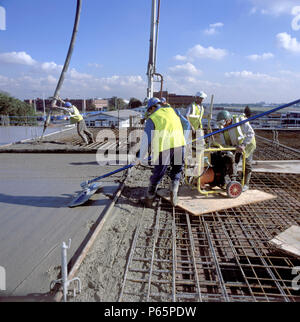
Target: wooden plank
x=288, y=241
x=197, y=204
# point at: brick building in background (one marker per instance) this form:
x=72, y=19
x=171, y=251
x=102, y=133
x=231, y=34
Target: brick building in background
x=82, y=104
x=176, y=100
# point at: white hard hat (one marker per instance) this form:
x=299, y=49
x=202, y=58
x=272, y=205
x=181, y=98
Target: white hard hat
x=201, y=94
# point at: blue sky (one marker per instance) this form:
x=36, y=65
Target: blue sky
x=242, y=51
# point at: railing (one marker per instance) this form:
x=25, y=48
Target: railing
x=26, y=120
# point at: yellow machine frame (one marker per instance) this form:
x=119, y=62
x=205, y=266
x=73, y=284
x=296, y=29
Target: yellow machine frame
x=210, y=150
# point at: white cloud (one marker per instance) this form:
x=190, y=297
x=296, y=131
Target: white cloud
x=14, y=57
x=200, y=52
x=264, y=56
x=74, y=74
x=245, y=74
x=41, y=78
x=273, y=7
x=95, y=65
x=187, y=69
x=289, y=73
x=288, y=43
x=50, y=67
x=213, y=28
x=210, y=52
x=180, y=58
x=295, y=22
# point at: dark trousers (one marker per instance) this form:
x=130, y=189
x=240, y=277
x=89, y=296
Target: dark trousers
x=83, y=132
x=173, y=158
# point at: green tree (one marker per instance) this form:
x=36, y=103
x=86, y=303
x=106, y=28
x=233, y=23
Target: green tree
x=116, y=103
x=134, y=102
x=19, y=110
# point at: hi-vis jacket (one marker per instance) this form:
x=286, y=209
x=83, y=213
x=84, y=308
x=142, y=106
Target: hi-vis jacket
x=164, y=130
x=75, y=117
x=195, y=114
x=240, y=135
x=168, y=132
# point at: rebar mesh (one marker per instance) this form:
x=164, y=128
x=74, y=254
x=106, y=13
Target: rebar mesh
x=221, y=256
x=270, y=150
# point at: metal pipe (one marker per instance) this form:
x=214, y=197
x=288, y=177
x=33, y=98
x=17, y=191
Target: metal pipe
x=65, y=68
x=252, y=118
x=156, y=230
x=64, y=268
x=174, y=265
x=64, y=281
x=161, y=83
x=192, y=245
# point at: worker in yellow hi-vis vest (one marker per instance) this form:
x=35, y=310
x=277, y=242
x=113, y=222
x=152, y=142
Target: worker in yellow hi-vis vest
x=77, y=118
x=195, y=111
x=164, y=137
x=242, y=137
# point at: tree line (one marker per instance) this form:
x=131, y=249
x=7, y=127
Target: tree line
x=13, y=107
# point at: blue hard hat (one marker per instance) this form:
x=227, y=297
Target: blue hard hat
x=153, y=101
x=163, y=100
x=68, y=104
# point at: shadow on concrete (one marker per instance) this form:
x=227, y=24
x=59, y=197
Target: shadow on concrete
x=45, y=201
x=85, y=163
x=34, y=297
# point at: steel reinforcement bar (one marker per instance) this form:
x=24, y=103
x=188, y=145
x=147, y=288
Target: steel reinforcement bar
x=221, y=256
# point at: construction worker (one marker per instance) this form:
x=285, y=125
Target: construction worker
x=195, y=111
x=77, y=118
x=164, y=135
x=164, y=102
x=242, y=137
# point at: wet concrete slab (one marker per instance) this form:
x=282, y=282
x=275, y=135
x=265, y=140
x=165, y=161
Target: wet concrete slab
x=281, y=166
x=35, y=191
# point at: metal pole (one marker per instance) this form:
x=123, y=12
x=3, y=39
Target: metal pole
x=44, y=106
x=64, y=281
x=64, y=268
x=65, y=68
x=247, y=120
x=151, y=63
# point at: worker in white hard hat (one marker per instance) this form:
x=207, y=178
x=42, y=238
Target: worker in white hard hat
x=195, y=111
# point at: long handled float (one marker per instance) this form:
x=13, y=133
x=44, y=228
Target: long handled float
x=91, y=186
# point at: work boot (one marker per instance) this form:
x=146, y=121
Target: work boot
x=174, y=186
x=151, y=192
x=150, y=195
x=234, y=171
x=247, y=181
x=91, y=139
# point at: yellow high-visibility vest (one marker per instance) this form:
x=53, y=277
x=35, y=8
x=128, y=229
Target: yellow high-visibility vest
x=168, y=131
x=76, y=116
x=235, y=136
x=196, y=116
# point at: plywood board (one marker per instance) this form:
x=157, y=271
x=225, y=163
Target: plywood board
x=197, y=204
x=288, y=241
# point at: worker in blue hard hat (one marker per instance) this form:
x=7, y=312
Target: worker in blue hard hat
x=164, y=136
x=77, y=118
x=164, y=102
x=242, y=137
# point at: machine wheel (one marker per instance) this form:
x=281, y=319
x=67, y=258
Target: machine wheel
x=234, y=189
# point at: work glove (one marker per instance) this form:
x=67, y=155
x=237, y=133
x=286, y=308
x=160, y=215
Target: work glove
x=240, y=148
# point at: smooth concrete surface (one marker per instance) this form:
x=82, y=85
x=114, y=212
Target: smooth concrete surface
x=35, y=190
x=284, y=166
